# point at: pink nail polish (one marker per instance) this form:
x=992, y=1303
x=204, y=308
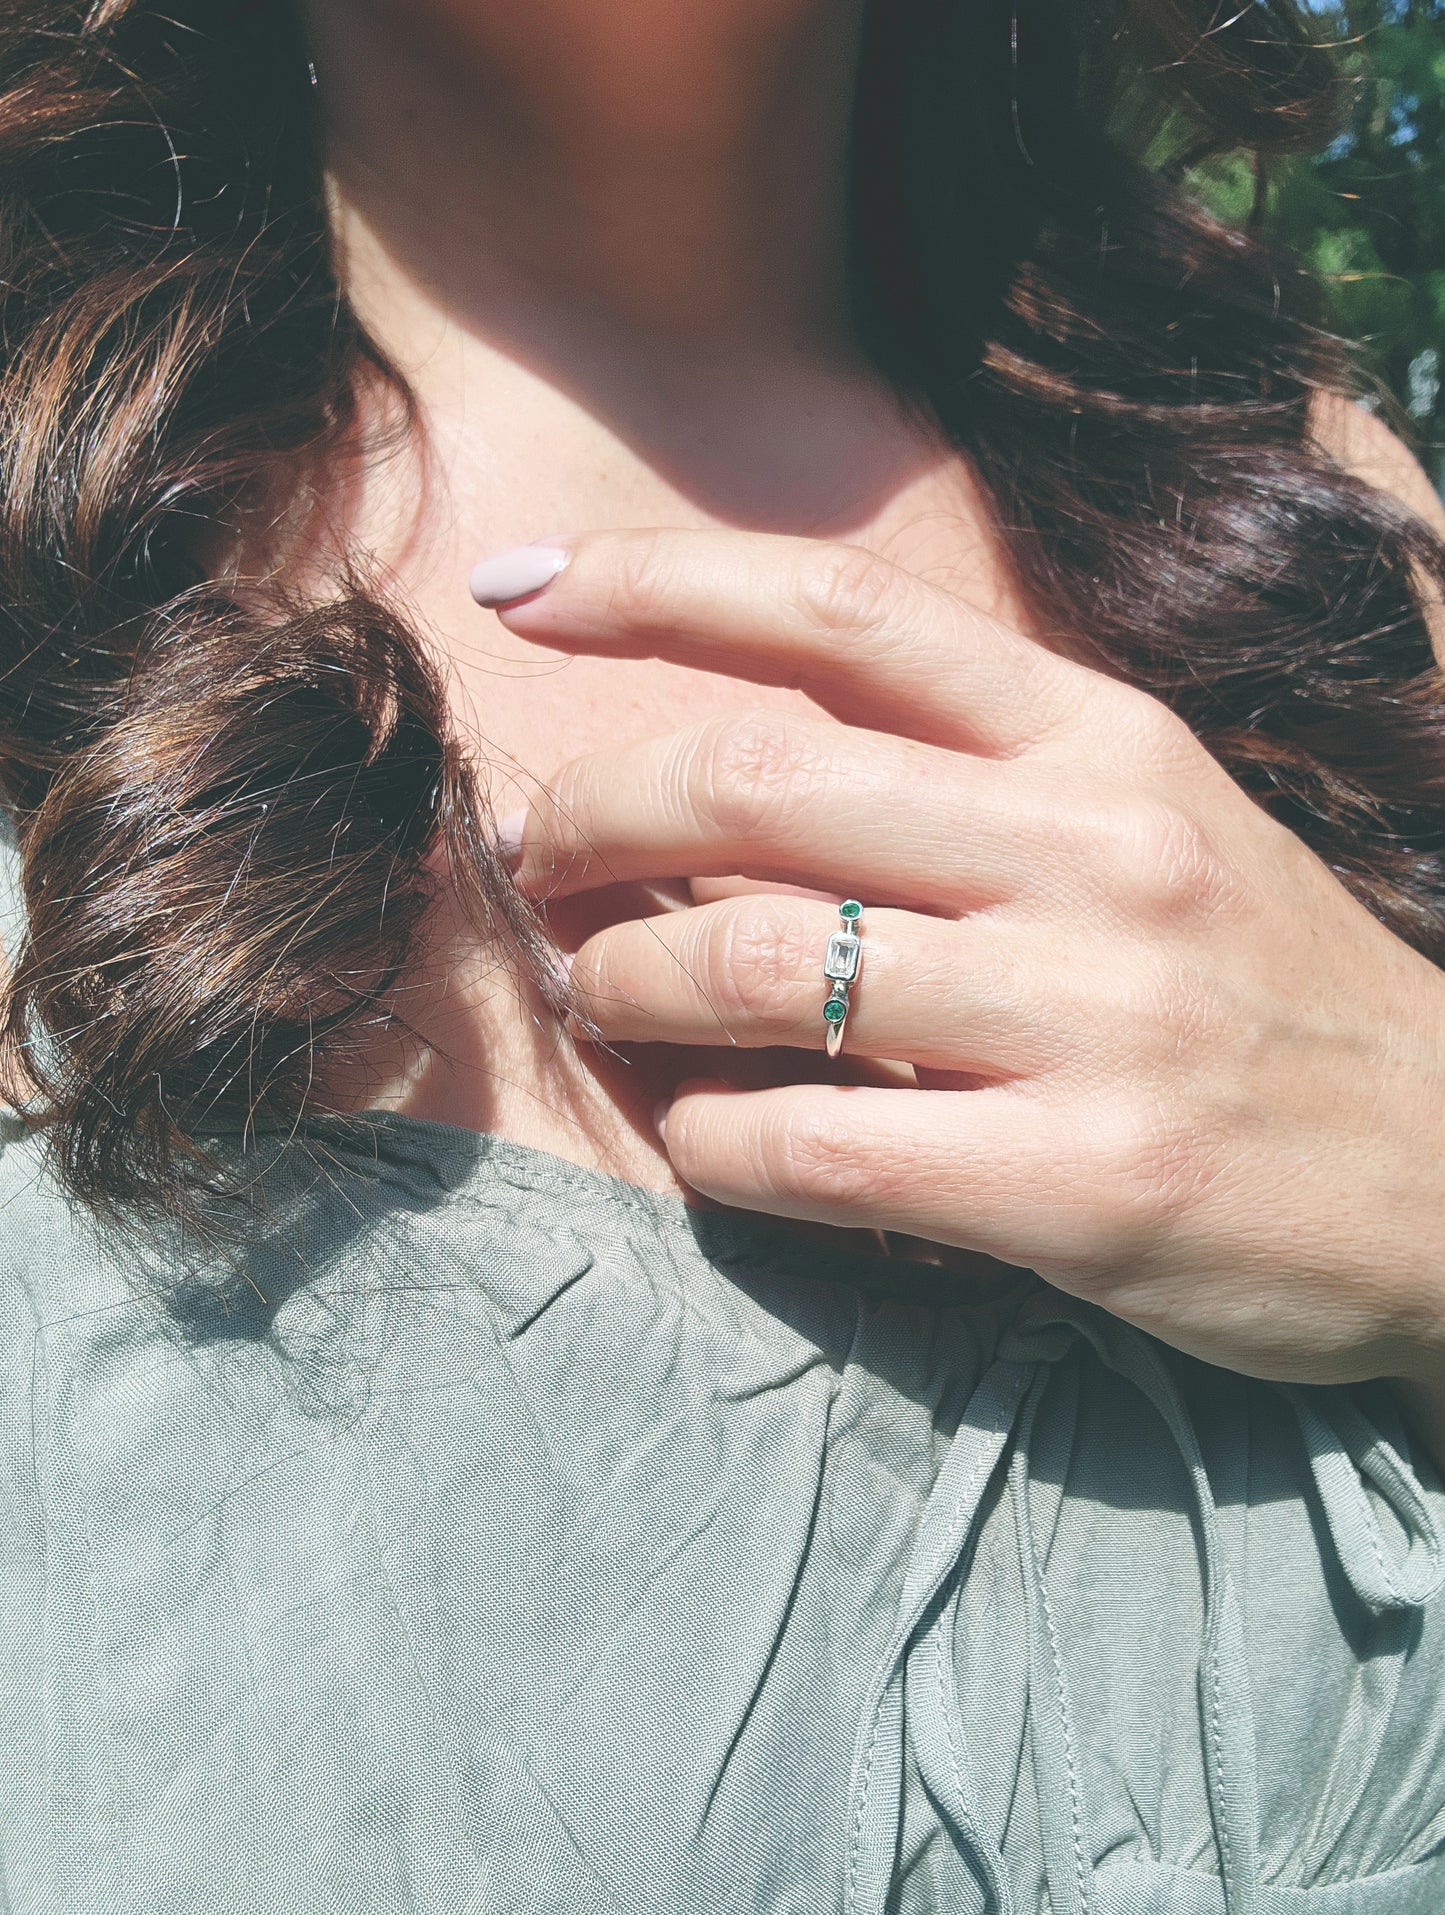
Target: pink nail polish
x=561, y=962
x=509, y=836
x=508, y=576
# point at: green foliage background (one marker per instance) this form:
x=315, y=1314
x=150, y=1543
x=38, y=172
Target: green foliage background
x=1369, y=213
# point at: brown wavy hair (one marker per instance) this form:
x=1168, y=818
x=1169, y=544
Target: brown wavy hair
x=231, y=804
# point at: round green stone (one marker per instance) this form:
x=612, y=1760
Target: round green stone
x=850, y=908
x=836, y=1009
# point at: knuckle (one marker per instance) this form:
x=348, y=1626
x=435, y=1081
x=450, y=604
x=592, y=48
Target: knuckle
x=1160, y=860
x=754, y=768
x=817, y=1165
x=1146, y=1169
x=638, y=576
x=560, y=811
x=1149, y=730
x=756, y=962
x=846, y=587
x=556, y=803
x=1157, y=1005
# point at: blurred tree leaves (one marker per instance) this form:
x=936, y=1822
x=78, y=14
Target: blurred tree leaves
x=1369, y=213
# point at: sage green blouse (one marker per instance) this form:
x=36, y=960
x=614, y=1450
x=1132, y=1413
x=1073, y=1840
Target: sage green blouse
x=494, y=1538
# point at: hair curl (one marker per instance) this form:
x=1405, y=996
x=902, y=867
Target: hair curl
x=229, y=803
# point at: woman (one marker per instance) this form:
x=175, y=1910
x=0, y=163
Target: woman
x=426, y=1484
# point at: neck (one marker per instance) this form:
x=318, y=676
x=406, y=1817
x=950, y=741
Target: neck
x=604, y=240
x=578, y=227
x=679, y=171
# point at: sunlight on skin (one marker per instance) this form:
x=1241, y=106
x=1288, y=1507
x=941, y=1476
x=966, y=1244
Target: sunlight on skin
x=626, y=311
x=560, y=387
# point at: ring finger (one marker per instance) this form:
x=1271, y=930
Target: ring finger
x=748, y=971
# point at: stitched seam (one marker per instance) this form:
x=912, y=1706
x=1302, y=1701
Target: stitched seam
x=965, y=1809
x=1226, y=1854
x=955, y=1526
x=858, y=1812
x=1372, y=1532
x=866, y=1780
x=1075, y=1803
x=947, y=1714
x=1386, y=1469
x=959, y=1508
x=1217, y=1590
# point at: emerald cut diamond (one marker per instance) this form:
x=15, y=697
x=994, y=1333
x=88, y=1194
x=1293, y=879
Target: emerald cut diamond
x=840, y=961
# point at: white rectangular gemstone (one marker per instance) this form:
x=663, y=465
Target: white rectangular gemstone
x=841, y=962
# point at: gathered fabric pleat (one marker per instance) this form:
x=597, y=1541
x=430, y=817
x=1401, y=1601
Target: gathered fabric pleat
x=914, y=1695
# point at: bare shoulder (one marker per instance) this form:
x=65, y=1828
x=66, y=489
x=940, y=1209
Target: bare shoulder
x=1365, y=445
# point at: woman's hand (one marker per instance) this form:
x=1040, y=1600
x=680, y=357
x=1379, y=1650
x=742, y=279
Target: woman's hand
x=1163, y=1058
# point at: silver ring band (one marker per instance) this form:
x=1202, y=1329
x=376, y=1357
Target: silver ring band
x=841, y=966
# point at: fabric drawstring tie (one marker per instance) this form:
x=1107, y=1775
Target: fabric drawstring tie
x=945, y=1532
x=913, y=1696
x=1346, y=1453
x=1224, y=1693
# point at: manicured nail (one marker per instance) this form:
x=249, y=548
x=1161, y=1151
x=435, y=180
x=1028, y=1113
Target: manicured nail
x=516, y=574
x=509, y=837
x=561, y=963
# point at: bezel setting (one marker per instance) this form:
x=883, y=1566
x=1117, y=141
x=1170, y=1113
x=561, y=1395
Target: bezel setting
x=842, y=962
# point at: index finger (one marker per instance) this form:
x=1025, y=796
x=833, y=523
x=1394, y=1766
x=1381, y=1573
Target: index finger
x=871, y=643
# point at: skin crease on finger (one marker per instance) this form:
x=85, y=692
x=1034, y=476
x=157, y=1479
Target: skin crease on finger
x=622, y=307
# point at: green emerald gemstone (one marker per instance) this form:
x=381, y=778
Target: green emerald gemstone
x=835, y=1010
x=850, y=908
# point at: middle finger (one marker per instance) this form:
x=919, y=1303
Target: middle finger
x=783, y=796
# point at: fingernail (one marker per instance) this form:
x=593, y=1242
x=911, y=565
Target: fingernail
x=509, y=837
x=560, y=963
x=659, y=1116
x=512, y=575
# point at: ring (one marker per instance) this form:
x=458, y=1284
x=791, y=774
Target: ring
x=841, y=965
